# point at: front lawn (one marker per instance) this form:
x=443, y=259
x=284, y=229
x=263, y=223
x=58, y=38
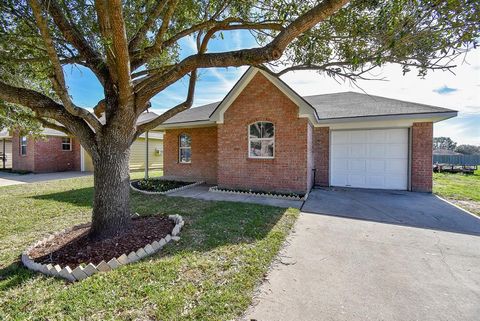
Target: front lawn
x=461, y=189
x=210, y=274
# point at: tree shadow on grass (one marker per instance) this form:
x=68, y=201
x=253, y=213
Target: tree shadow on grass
x=208, y=224
x=78, y=197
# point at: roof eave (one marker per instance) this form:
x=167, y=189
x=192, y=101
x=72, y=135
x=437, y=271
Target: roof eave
x=434, y=117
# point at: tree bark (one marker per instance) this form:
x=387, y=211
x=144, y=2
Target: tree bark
x=111, y=203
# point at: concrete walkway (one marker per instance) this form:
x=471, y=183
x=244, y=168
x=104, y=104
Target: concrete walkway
x=336, y=268
x=201, y=192
x=7, y=179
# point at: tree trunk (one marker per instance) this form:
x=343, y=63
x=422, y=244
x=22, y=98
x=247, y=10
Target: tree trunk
x=111, y=204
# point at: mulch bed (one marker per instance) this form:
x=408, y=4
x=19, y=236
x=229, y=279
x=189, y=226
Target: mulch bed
x=74, y=248
x=158, y=185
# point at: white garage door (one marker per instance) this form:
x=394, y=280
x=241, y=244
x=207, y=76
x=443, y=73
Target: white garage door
x=370, y=158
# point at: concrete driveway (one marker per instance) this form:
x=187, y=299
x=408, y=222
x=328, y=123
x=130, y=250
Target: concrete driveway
x=386, y=265
x=7, y=179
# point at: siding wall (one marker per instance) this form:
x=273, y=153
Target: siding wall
x=137, y=155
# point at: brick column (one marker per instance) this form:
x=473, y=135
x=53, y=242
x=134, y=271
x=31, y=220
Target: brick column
x=321, y=150
x=421, y=167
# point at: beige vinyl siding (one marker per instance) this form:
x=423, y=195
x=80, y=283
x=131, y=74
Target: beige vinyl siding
x=8, y=151
x=137, y=155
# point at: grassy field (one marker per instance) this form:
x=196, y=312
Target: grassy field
x=210, y=274
x=463, y=190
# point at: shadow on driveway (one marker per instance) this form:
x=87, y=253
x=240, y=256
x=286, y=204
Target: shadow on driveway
x=393, y=207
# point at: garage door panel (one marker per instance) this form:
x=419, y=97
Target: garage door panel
x=357, y=165
x=377, y=150
x=370, y=158
x=341, y=138
x=359, y=136
x=357, y=180
x=395, y=150
x=357, y=150
x=339, y=179
x=376, y=136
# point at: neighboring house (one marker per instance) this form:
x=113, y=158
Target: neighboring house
x=58, y=152
x=264, y=136
x=5, y=149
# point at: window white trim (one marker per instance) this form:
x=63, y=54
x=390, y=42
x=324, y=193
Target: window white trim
x=64, y=143
x=259, y=140
x=180, y=148
x=22, y=145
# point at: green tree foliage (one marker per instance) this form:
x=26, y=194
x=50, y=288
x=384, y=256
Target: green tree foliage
x=444, y=143
x=468, y=149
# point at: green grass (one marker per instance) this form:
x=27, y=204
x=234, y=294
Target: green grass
x=461, y=188
x=210, y=274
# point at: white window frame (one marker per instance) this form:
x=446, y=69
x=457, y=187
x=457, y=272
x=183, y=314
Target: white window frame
x=180, y=148
x=260, y=139
x=69, y=144
x=22, y=138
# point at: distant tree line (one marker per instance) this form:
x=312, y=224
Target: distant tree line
x=447, y=143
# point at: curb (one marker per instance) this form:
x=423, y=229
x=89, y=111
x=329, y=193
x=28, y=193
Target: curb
x=81, y=273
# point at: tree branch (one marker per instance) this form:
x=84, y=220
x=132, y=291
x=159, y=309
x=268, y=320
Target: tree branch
x=58, y=79
x=141, y=33
x=149, y=87
x=173, y=111
x=73, y=35
x=48, y=124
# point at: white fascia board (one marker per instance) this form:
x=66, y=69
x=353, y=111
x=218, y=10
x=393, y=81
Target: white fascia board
x=193, y=124
x=379, y=123
x=387, y=119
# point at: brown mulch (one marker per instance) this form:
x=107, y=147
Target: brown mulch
x=74, y=248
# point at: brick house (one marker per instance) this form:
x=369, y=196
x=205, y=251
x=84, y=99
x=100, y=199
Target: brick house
x=57, y=152
x=264, y=136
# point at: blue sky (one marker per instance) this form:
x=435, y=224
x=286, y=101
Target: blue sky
x=459, y=91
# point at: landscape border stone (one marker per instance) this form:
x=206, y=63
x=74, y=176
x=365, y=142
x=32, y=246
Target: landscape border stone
x=216, y=189
x=83, y=272
x=166, y=192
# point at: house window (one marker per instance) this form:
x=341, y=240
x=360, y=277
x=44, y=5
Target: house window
x=23, y=145
x=184, y=148
x=66, y=143
x=261, y=140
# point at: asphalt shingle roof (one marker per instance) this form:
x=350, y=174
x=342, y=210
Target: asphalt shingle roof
x=352, y=104
x=331, y=106
x=193, y=114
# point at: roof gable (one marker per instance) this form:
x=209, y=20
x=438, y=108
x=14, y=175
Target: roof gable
x=305, y=109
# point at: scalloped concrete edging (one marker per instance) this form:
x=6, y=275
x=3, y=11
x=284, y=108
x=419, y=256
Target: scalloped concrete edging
x=215, y=189
x=82, y=272
x=166, y=192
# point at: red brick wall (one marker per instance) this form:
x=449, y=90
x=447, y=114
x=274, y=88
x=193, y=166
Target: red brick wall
x=204, y=154
x=49, y=156
x=321, y=150
x=422, y=137
x=19, y=162
x=310, y=159
x=45, y=155
x=262, y=101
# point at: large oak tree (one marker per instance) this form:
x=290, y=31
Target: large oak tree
x=132, y=47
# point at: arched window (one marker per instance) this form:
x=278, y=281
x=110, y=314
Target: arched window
x=184, y=148
x=261, y=140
